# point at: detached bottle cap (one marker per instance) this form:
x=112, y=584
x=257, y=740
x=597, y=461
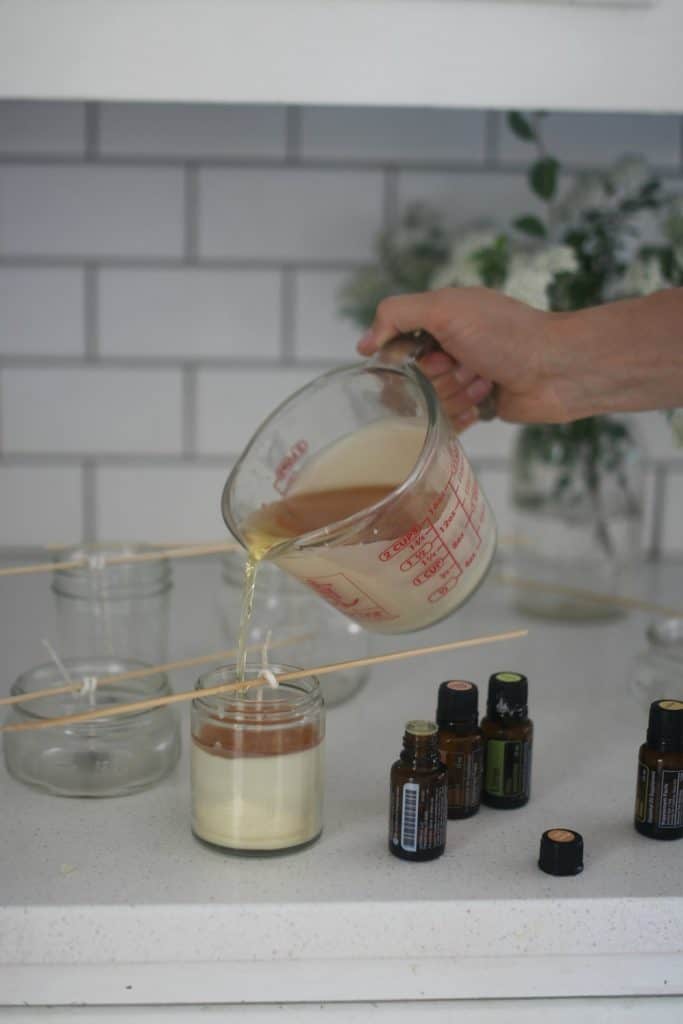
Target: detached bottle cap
x=458, y=702
x=665, y=726
x=561, y=852
x=508, y=695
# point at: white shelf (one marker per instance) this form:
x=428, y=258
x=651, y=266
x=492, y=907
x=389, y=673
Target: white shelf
x=461, y=53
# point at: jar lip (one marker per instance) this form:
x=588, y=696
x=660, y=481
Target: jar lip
x=666, y=632
x=289, y=701
x=79, y=669
x=128, y=579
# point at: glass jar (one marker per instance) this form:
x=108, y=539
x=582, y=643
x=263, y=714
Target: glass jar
x=106, y=757
x=578, y=512
x=257, y=763
x=119, y=611
x=285, y=607
x=658, y=671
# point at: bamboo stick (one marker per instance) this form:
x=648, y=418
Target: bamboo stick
x=210, y=691
x=144, y=673
x=184, y=551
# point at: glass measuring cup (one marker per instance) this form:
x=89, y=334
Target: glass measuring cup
x=402, y=533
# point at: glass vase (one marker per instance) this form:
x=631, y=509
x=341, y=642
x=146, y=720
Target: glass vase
x=577, y=495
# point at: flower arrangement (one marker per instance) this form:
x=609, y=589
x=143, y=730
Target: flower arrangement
x=584, y=248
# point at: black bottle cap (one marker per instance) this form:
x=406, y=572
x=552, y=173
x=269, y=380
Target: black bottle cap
x=665, y=726
x=458, y=702
x=508, y=695
x=561, y=852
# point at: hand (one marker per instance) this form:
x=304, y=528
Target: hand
x=487, y=338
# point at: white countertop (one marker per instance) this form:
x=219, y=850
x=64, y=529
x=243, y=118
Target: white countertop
x=115, y=902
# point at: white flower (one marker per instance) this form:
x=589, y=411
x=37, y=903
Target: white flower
x=461, y=268
x=589, y=192
x=677, y=426
x=556, y=259
x=629, y=174
x=643, y=277
x=528, y=284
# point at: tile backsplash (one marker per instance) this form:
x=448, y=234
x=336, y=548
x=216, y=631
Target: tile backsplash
x=168, y=273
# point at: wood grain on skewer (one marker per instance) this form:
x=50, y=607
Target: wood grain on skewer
x=184, y=551
x=151, y=670
x=597, y=597
x=210, y=691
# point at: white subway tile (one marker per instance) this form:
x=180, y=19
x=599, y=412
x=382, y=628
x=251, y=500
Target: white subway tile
x=91, y=410
x=232, y=403
x=160, y=503
x=192, y=130
x=41, y=311
x=672, y=526
x=493, y=439
x=465, y=199
x=599, y=139
x=414, y=134
x=35, y=128
x=90, y=211
x=41, y=504
x=289, y=214
x=190, y=314
x=321, y=331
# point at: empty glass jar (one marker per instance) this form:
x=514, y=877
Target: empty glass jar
x=287, y=608
x=111, y=756
x=258, y=763
x=658, y=671
x=119, y=611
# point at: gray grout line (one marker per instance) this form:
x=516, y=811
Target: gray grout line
x=89, y=500
x=49, y=362
x=90, y=312
x=189, y=410
x=92, y=131
x=293, y=135
x=191, y=214
x=175, y=262
x=288, y=286
x=658, y=508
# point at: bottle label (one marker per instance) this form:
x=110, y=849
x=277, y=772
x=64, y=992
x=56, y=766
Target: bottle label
x=465, y=772
x=659, y=797
x=508, y=768
x=419, y=816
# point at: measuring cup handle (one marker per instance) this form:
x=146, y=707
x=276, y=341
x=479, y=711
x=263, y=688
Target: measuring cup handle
x=408, y=348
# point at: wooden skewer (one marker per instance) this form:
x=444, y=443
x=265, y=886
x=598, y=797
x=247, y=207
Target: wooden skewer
x=210, y=691
x=185, y=551
x=144, y=673
x=614, y=600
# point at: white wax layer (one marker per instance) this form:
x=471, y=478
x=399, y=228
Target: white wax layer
x=257, y=803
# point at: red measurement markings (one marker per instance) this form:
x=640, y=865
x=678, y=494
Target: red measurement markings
x=343, y=593
x=472, y=491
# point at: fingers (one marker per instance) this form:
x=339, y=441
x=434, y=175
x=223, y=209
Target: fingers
x=398, y=315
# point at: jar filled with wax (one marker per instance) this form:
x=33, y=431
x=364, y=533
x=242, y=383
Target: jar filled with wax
x=257, y=763
x=112, y=609
x=285, y=608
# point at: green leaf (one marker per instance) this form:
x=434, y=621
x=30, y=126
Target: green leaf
x=530, y=225
x=521, y=126
x=543, y=177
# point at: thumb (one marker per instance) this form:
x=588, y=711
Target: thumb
x=399, y=315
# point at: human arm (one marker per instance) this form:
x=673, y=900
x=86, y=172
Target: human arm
x=547, y=367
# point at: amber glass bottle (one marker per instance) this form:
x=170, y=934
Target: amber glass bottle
x=419, y=796
x=508, y=736
x=659, y=791
x=461, y=745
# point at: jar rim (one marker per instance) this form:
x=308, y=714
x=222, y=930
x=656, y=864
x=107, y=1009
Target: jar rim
x=127, y=579
x=287, y=702
x=154, y=685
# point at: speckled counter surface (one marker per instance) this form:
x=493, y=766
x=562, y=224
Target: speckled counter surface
x=114, y=901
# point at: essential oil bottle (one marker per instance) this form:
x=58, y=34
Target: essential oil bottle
x=418, y=811
x=508, y=736
x=461, y=746
x=659, y=789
